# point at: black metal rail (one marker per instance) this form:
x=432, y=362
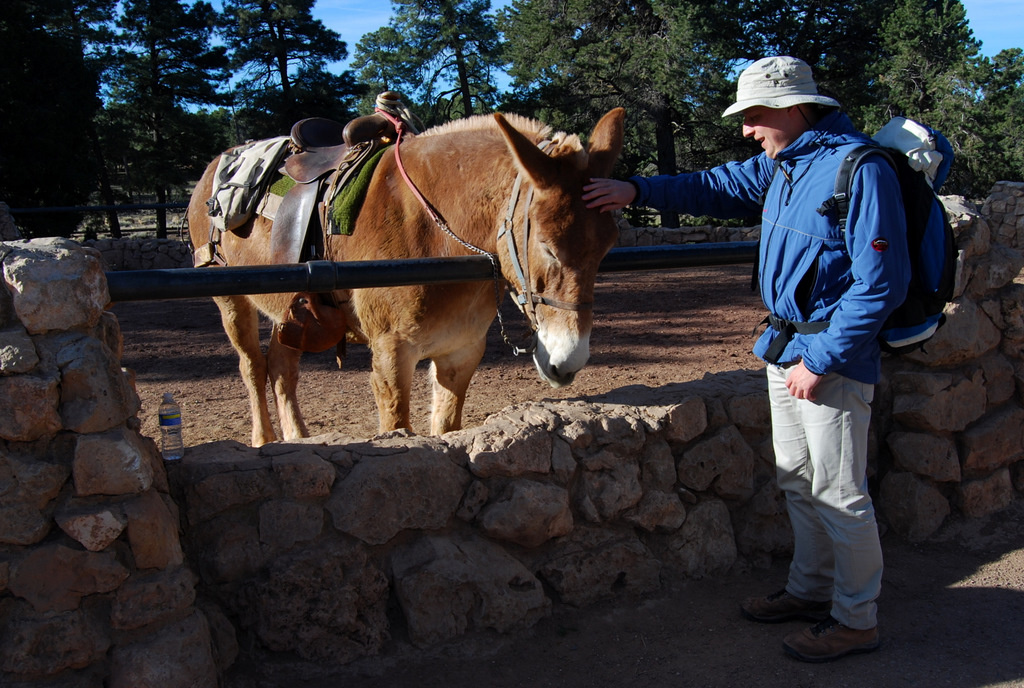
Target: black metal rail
x=127, y=207
x=324, y=276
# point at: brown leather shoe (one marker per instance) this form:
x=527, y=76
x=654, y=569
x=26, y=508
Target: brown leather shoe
x=830, y=640
x=781, y=606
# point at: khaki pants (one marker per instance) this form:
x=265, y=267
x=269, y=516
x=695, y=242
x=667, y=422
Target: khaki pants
x=821, y=465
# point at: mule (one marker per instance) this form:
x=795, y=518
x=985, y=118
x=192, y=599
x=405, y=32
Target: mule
x=467, y=171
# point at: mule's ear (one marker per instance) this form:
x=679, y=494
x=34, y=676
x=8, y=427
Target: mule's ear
x=606, y=143
x=535, y=163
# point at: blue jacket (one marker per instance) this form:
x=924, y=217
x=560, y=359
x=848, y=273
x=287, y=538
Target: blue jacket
x=808, y=270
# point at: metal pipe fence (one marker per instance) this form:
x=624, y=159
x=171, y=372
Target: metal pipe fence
x=325, y=276
x=128, y=207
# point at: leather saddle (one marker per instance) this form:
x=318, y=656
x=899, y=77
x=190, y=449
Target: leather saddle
x=322, y=162
x=325, y=156
x=321, y=144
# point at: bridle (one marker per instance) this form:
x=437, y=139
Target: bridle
x=523, y=296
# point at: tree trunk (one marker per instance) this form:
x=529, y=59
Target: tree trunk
x=161, y=214
x=665, y=142
x=467, y=98
x=106, y=191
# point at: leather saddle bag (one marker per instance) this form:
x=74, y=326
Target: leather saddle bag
x=312, y=325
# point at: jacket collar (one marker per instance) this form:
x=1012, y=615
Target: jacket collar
x=831, y=131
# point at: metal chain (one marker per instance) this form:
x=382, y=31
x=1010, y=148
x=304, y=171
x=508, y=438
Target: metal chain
x=443, y=226
x=499, y=290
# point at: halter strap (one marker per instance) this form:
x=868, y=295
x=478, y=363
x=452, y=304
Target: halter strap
x=564, y=305
x=525, y=299
x=522, y=298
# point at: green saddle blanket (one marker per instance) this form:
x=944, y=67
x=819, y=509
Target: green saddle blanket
x=348, y=197
x=348, y=200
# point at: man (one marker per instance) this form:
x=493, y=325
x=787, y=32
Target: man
x=827, y=291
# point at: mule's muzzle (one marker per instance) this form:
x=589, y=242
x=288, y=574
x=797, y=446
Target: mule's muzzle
x=555, y=377
x=558, y=361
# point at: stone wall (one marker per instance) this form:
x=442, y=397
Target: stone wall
x=8, y=230
x=1004, y=211
x=142, y=254
x=309, y=546
x=120, y=254
x=94, y=588
x=658, y=236
x=118, y=570
x=950, y=420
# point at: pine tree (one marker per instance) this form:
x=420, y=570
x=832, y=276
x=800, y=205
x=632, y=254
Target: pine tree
x=282, y=53
x=165, y=66
x=1001, y=148
x=672, y=64
x=50, y=98
x=926, y=70
x=664, y=60
x=837, y=39
x=440, y=54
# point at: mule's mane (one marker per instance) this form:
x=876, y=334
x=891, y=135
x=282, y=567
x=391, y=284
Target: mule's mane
x=532, y=128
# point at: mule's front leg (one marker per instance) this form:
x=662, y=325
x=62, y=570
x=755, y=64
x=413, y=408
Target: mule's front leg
x=394, y=362
x=450, y=375
x=283, y=367
x=241, y=323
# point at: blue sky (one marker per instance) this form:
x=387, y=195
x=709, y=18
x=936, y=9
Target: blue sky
x=998, y=24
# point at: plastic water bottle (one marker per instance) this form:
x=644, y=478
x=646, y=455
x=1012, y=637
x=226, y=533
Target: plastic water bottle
x=172, y=446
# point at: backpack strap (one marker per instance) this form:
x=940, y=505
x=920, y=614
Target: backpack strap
x=786, y=330
x=839, y=202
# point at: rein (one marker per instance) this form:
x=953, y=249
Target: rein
x=525, y=299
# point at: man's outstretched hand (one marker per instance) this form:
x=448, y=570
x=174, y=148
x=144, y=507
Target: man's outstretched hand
x=608, y=194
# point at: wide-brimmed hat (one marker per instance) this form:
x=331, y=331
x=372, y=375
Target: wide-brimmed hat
x=777, y=82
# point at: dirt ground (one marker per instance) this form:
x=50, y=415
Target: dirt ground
x=650, y=329
x=951, y=611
